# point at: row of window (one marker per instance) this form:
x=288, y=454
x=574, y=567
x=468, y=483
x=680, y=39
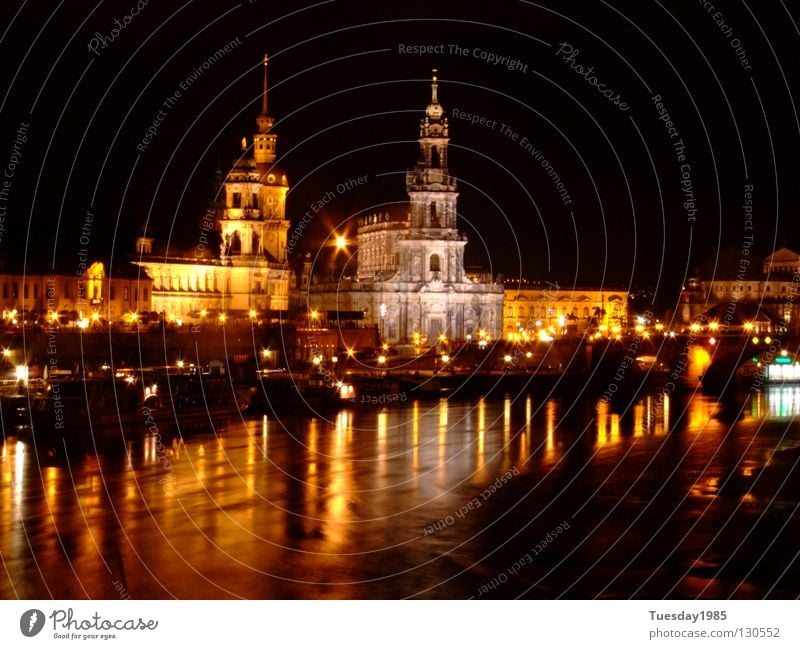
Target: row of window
x=236, y=200
x=720, y=289
x=550, y=311
x=11, y=291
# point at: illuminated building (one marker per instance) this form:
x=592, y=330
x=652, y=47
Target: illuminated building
x=411, y=283
x=248, y=272
x=563, y=307
x=748, y=303
x=36, y=295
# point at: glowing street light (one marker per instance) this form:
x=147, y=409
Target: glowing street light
x=341, y=242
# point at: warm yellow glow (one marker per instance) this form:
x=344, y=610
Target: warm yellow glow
x=95, y=316
x=253, y=313
x=6, y=352
x=695, y=327
x=755, y=340
x=222, y=318
x=179, y=363
x=381, y=359
x=265, y=353
x=203, y=313
x=316, y=360
x=713, y=326
x=351, y=352
x=767, y=340
x=659, y=327
x=748, y=326
x=341, y=242
x=21, y=372
x=507, y=358
x=314, y=314
x=445, y=358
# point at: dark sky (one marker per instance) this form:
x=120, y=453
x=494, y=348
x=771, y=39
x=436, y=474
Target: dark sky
x=348, y=101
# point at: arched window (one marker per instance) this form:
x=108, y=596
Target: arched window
x=434, y=216
x=435, y=159
x=236, y=244
x=435, y=264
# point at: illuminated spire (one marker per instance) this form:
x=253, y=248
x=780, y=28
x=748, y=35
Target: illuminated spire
x=434, y=111
x=264, y=121
x=264, y=100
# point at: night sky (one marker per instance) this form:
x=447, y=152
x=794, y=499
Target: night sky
x=647, y=205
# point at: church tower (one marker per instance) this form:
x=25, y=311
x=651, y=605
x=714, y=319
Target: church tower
x=433, y=250
x=431, y=189
x=252, y=217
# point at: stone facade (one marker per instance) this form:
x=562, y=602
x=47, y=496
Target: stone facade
x=559, y=308
x=774, y=293
x=249, y=272
x=411, y=283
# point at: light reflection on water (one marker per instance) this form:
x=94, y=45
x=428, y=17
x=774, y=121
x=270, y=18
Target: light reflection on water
x=264, y=507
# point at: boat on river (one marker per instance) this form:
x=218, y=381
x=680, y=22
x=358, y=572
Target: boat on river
x=133, y=402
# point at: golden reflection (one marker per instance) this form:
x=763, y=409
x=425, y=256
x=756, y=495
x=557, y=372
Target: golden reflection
x=344, y=425
x=550, y=423
x=506, y=421
x=383, y=419
x=607, y=424
x=442, y=438
x=50, y=480
x=700, y=412
x=19, y=473
x=638, y=418
x=525, y=438
x=415, y=440
x=481, y=431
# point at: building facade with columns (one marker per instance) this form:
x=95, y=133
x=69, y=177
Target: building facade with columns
x=410, y=282
x=560, y=309
x=774, y=292
x=249, y=272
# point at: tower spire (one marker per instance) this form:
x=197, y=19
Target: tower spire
x=264, y=100
x=264, y=121
x=434, y=86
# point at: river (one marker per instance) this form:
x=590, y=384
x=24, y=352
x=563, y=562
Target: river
x=510, y=497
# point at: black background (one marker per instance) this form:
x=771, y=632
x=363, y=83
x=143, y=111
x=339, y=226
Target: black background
x=347, y=103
